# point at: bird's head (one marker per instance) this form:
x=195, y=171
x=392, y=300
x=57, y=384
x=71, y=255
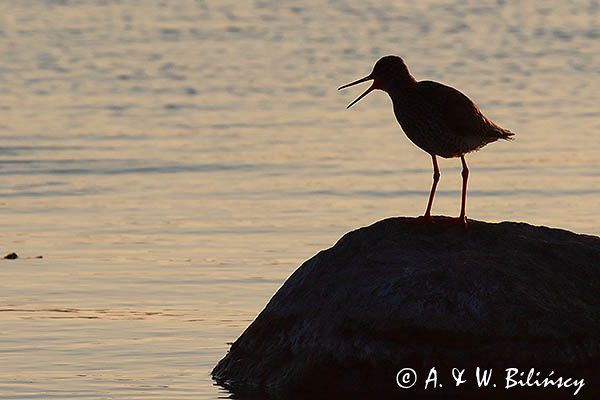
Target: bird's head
x=389, y=73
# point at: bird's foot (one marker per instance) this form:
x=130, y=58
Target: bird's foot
x=425, y=219
x=449, y=221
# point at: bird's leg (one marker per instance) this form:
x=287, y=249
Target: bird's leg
x=463, y=204
x=436, y=178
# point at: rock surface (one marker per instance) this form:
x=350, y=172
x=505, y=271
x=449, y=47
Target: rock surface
x=400, y=294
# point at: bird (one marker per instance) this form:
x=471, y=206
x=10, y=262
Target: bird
x=437, y=118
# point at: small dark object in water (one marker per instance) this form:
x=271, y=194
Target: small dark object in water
x=11, y=256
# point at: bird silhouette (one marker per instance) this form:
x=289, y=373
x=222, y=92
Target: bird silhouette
x=437, y=118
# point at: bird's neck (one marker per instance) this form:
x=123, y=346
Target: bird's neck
x=400, y=89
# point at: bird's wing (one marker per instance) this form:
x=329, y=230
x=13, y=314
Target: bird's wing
x=463, y=116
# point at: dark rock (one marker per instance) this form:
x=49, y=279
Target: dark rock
x=400, y=294
x=11, y=256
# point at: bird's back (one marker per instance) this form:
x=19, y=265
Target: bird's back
x=443, y=121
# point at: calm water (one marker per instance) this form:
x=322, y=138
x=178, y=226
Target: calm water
x=174, y=162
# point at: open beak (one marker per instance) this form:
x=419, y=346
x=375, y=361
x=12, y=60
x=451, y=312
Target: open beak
x=361, y=80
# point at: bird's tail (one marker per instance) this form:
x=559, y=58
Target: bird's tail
x=503, y=133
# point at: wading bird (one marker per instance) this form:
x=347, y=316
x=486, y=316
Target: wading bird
x=437, y=118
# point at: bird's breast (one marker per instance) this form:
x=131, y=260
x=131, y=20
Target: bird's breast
x=422, y=126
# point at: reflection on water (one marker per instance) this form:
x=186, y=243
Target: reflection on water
x=175, y=161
